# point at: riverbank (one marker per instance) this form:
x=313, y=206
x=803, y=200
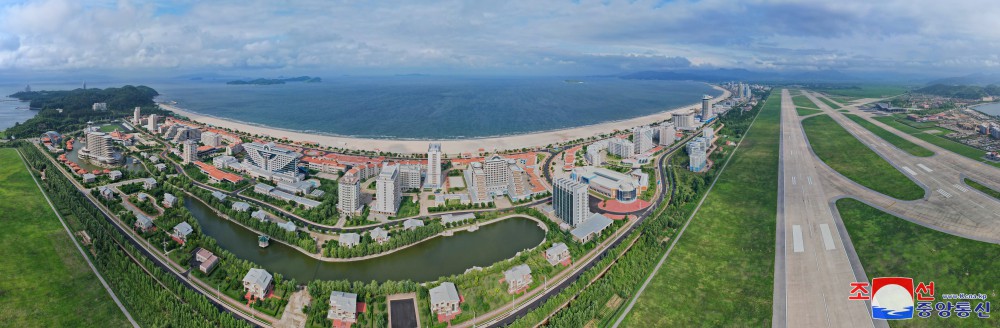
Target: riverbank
x=451, y=146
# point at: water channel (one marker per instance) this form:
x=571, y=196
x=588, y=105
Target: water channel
x=426, y=261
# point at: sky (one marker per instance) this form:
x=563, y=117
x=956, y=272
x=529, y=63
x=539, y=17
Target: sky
x=534, y=37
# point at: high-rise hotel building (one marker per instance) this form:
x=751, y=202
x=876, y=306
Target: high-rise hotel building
x=569, y=200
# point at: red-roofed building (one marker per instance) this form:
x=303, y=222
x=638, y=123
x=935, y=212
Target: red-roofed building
x=323, y=164
x=217, y=175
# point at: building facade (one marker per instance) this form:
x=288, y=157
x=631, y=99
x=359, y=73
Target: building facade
x=190, y=153
x=569, y=200
x=667, y=134
x=271, y=162
x=349, y=194
x=642, y=137
x=388, y=190
x=621, y=148
x=434, y=178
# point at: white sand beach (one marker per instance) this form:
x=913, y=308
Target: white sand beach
x=450, y=146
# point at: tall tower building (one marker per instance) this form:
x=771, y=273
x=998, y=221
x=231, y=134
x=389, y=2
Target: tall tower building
x=569, y=200
x=497, y=171
x=433, y=166
x=349, y=194
x=190, y=152
x=388, y=190
x=135, y=116
x=642, y=137
x=151, y=124
x=667, y=133
x=706, y=108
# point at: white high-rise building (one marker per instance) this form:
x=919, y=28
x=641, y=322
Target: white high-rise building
x=684, y=120
x=135, y=116
x=190, y=152
x=642, y=137
x=706, y=108
x=349, y=194
x=497, y=171
x=594, y=155
x=151, y=124
x=621, y=148
x=433, y=179
x=667, y=134
x=697, y=150
x=475, y=181
x=409, y=175
x=211, y=139
x=570, y=202
x=388, y=190
x=519, y=187
x=100, y=148
x=271, y=162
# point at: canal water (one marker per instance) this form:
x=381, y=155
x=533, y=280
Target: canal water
x=131, y=163
x=426, y=261
x=989, y=109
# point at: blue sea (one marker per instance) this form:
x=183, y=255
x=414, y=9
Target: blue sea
x=879, y=312
x=408, y=107
x=421, y=107
x=989, y=109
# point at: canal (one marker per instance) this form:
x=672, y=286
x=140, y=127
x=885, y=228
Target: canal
x=131, y=164
x=427, y=261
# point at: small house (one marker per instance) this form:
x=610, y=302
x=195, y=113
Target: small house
x=257, y=284
x=181, y=232
x=349, y=239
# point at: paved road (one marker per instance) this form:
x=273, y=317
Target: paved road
x=816, y=267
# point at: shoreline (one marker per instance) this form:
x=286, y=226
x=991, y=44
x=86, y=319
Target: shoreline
x=450, y=146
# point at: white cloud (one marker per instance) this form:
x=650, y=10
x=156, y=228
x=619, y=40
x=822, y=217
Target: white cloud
x=519, y=35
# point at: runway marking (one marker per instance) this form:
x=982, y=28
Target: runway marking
x=810, y=180
x=827, y=238
x=944, y=193
x=797, y=239
x=925, y=168
x=910, y=171
x=793, y=181
x=960, y=188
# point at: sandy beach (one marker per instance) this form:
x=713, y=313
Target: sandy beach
x=450, y=146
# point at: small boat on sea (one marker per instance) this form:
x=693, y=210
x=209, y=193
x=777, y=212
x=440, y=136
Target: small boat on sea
x=263, y=241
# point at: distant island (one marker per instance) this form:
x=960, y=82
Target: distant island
x=306, y=79
x=572, y=81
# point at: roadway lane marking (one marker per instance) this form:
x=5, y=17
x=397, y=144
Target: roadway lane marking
x=797, y=239
x=960, y=188
x=910, y=171
x=793, y=181
x=925, y=168
x=827, y=238
x=944, y=193
x=810, y=179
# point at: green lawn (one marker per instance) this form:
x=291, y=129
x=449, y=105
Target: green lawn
x=111, y=127
x=407, y=207
x=828, y=102
x=845, y=154
x=984, y=189
x=844, y=111
x=953, y=146
x=865, y=91
x=892, y=247
x=721, y=273
x=804, y=102
x=806, y=111
x=892, y=138
x=46, y=282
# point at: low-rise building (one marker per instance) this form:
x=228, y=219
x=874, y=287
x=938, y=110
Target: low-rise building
x=257, y=284
x=379, y=235
x=558, y=253
x=181, y=232
x=241, y=206
x=160, y=167
x=343, y=309
x=149, y=184
x=88, y=178
x=143, y=223
x=219, y=195
x=349, y=239
x=593, y=226
x=106, y=192
x=169, y=200
x=412, y=224
x=206, y=260
x=445, y=301
x=518, y=278
x=259, y=215
x=115, y=175
x=288, y=226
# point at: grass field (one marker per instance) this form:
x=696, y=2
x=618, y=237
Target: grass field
x=892, y=247
x=802, y=101
x=953, y=146
x=892, y=138
x=845, y=154
x=866, y=91
x=111, y=127
x=46, y=282
x=844, y=111
x=984, y=189
x=828, y=102
x=806, y=111
x=721, y=272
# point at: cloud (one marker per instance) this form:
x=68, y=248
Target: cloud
x=521, y=36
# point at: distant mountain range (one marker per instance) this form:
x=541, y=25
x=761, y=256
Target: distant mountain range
x=961, y=91
x=724, y=74
x=978, y=79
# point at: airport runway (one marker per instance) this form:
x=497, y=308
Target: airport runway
x=815, y=260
